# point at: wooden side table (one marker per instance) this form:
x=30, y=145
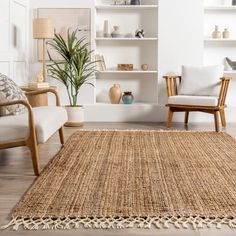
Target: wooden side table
x=37, y=100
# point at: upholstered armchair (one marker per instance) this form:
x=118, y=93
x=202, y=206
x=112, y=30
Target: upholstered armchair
x=33, y=127
x=199, y=89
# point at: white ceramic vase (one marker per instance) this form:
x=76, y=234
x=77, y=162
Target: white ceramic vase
x=106, y=29
x=75, y=116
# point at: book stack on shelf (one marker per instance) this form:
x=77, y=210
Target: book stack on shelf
x=39, y=85
x=100, y=62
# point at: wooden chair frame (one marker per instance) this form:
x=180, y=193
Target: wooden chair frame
x=31, y=140
x=172, y=90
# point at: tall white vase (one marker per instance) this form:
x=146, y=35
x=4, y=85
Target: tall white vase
x=106, y=29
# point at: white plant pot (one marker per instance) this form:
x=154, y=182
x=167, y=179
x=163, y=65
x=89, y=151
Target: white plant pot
x=75, y=116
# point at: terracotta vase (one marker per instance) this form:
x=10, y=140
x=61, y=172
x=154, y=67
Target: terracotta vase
x=115, y=94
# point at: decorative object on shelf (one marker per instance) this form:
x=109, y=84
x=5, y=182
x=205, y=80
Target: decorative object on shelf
x=231, y=63
x=121, y=2
x=43, y=29
x=216, y=33
x=100, y=62
x=144, y=67
x=106, y=29
x=128, y=98
x=116, y=33
x=139, y=33
x=135, y=2
x=115, y=94
x=76, y=70
x=226, y=34
x=125, y=67
x=234, y=2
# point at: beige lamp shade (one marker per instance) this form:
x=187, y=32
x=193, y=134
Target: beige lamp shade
x=43, y=28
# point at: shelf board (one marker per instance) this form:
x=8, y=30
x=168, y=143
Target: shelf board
x=128, y=72
x=221, y=40
x=229, y=72
x=220, y=8
x=126, y=39
x=136, y=104
x=125, y=7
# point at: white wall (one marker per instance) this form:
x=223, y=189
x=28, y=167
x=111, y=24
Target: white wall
x=14, y=39
x=180, y=38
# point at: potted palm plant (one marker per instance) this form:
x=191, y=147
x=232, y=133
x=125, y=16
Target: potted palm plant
x=74, y=70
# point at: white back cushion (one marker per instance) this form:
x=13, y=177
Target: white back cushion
x=201, y=81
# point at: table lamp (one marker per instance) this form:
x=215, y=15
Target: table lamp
x=43, y=29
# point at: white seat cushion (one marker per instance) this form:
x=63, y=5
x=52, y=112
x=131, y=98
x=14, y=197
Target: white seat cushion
x=193, y=100
x=47, y=121
x=201, y=81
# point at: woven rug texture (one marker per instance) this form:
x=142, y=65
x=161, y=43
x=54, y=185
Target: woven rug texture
x=123, y=179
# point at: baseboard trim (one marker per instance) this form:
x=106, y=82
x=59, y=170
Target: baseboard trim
x=147, y=113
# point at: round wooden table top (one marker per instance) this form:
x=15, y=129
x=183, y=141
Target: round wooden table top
x=30, y=88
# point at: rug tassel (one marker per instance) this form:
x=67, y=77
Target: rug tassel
x=13, y=222
x=68, y=223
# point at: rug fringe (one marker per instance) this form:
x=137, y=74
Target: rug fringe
x=66, y=223
x=151, y=130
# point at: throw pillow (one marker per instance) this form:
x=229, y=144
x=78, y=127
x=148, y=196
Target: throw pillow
x=201, y=81
x=10, y=91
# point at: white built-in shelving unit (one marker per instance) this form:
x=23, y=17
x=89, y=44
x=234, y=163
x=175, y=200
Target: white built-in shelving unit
x=143, y=84
x=125, y=7
x=220, y=8
x=216, y=50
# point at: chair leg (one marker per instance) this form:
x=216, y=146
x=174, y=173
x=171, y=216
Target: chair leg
x=170, y=117
x=61, y=134
x=216, y=116
x=222, y=116
x=186, y=117
x=32, y=144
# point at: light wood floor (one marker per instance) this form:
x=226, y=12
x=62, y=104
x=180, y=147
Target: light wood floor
x=16, y=176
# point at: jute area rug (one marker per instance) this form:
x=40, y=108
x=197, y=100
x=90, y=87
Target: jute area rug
x=125, y=179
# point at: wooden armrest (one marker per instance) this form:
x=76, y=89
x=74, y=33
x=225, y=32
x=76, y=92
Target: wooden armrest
x=42, y=91
x=171, y=84
x=223, y=91
x=17, y=102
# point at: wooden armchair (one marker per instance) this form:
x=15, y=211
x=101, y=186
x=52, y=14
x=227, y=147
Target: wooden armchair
x=32, y=128
x=172, y=83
